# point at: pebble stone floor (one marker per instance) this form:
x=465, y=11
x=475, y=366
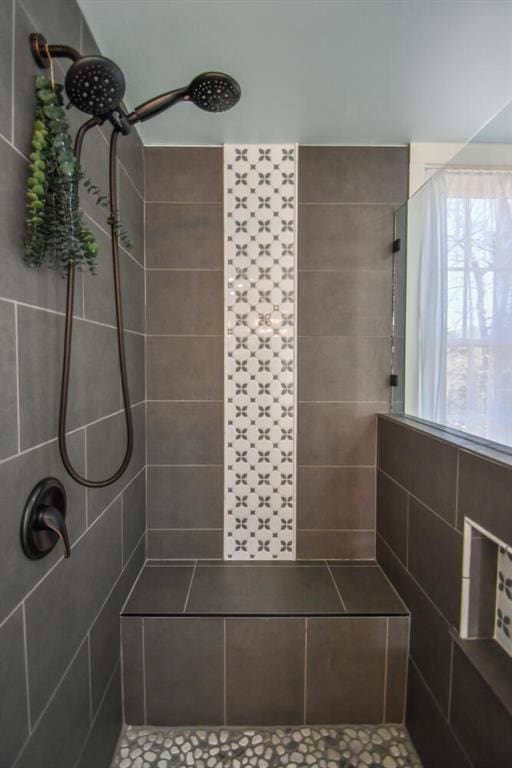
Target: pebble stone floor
x=341, y=747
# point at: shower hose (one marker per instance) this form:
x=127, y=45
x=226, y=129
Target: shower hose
x=68, y=333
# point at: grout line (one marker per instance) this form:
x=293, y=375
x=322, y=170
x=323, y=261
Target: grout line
x=13, y=146
x=406, y=676
x=420, y=501
x=142, y=627
x=61, y=558
x=438, y=707
x=122, y=528
x=93, y=722
x=386, y=662
x=457, y=489
x=89, y=664
x=306, y=629
x=335, y=586
x=418, y=585
x=17, y=354
x=25, y=657
x=189, y=587
x=450, y=682
x=407, y=527
x=13, y=60
x=61, y=313
x=225, y=673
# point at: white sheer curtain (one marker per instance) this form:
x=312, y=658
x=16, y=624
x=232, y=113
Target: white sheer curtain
x=465, y=303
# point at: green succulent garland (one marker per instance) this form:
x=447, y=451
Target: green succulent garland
x=56, y=233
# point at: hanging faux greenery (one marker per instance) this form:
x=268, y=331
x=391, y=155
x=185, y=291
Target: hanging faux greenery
x=56, y=233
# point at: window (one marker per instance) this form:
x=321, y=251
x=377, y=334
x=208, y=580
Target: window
x=460, y=374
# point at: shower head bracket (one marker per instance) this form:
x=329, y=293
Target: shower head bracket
x=40, y=50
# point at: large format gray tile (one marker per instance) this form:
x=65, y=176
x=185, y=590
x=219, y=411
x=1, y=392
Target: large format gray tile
x=17, y=478
x=6, y=42
x=135, y=363
x=434, y=740
x=58, y=737
x=346, y=658
x=42, y=287
x=57, y=20
x=182, y=236
x=98, y=289
x=184, y=433
x=106, y=446
x=430, y=638
x=392, y=515
x=104, y=637
x=353, y=175
x=133, y=670
x=131, y=214
x=425, y=466
x=365, y=589
x=344, y=303
x=473, y=702
x=25, y=71
x=104, y=734
x=183, y=174
x=345, y=236
x=184, y=302
x=40, y=341
x=134, y=514
x=13, y=701
x=8, y=378
x=343, y=368
x=132, y=286
x=484, y=495
x=398, y=659
x=336, y=545
x=184, y=663
x=337, y=433
x=252, y=589
x=56, y=620
x=187, y=544
x=265, y=655
x=160, y=590
x=131, y=154
x=335, y=497
x=435, y=559
x=95, y=163
x=185, y=497
x=185, y=368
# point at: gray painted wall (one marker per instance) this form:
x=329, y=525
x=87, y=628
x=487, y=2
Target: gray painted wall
x=59, y=620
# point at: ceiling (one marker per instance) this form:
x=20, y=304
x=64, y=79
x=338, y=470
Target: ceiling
x=315, y=71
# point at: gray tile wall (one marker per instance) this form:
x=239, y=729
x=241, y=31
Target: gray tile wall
x=426, y=486
x=184, y=351
x=264, y=671
x=59, y=620
x=346, y=200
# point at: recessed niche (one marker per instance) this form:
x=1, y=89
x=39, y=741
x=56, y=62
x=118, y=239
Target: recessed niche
x=486, y=609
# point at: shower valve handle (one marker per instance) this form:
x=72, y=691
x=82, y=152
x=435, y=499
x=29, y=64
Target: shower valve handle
x=52, y=519
x=43, y=523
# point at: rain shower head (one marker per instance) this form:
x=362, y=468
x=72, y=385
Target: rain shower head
x=211, y=91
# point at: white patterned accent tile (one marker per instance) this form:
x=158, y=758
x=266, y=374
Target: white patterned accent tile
x=503, y=626
x=260, y=206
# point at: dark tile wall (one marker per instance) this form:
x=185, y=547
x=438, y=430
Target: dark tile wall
x=59, y=620
x=426, y=486
x=346, y=200
x=263, y=671
x=184, y=351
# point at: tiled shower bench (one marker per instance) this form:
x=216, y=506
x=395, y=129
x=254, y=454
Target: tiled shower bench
x=212, y=643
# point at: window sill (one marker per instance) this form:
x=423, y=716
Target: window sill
x=492, y=663
x=464, y=443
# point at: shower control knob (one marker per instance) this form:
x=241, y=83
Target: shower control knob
x=44, y=519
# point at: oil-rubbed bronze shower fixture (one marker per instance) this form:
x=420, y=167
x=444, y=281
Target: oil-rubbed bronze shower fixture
x=96, y=85
x=43, y=523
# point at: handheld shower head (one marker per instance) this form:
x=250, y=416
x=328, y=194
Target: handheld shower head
x=211, y=91
x=95, y=85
